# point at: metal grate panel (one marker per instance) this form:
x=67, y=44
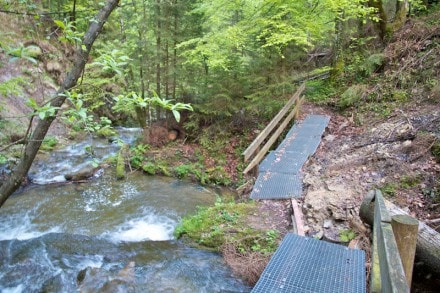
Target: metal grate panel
x=270, y=185
x=317, y=119
x=308, y=145
x=284, y=162
x=280, y=172
x=303, y=265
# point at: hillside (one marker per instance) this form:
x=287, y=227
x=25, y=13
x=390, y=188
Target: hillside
x=384, y=130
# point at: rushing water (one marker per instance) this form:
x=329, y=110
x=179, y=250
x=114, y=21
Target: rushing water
x=106, y=236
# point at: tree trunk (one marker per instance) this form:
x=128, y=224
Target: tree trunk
x=428, y=242
x=158, y=46
x=158, y=53
x=81, y=56
x=175, y=34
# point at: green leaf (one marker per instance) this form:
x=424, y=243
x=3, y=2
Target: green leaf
x=60, y=24
x=176, y=115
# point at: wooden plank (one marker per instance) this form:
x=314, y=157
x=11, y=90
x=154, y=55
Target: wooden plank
x=265, y=133
x=269, y=143
x=391, y=268
x=385, y=251
x=297, y=218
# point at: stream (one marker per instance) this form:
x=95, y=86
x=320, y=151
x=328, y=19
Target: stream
x=104, y=235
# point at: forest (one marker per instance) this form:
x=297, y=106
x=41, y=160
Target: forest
x=202, y=78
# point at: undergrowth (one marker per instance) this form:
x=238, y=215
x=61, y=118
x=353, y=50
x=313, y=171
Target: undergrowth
x=226, y=223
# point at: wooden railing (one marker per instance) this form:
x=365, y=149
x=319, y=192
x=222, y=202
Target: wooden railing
x=295, y=101
x=393, y=249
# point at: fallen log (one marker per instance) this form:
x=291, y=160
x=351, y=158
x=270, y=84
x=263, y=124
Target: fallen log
x=428, y=240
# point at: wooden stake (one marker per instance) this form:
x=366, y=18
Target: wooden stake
x=297, y=217
x=405, y=229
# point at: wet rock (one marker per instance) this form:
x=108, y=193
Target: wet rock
x=100, y=280
x=92, y=279
x=54, y=284
x=82, y=174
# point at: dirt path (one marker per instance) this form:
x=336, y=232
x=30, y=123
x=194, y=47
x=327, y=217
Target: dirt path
x=392, y=153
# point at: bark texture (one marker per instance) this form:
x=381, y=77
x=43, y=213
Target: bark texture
x=81, y=56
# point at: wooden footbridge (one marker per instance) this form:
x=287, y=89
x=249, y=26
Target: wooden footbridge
x=303, y=264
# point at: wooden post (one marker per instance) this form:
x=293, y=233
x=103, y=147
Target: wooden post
x=428, y=240
x=405, y=230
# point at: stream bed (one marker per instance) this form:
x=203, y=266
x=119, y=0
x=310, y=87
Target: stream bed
x=106, y=235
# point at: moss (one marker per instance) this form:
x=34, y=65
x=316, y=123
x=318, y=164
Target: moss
x=106, y=132
x=149, y=168
x=389, y=189
x=407, y=181
x=226, y=223
x=120, y=163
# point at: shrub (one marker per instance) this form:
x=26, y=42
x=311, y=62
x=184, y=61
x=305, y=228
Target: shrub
x=149, y=168
x=352, y=96
x=49, y=143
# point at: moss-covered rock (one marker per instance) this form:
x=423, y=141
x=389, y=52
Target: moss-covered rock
x=120, y=163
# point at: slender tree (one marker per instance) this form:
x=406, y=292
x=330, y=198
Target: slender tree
x=15, y=179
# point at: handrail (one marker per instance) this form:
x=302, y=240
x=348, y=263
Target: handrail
x=387, y=274
x=253, y=147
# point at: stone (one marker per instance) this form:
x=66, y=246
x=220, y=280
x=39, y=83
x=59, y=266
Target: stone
x=327, y=224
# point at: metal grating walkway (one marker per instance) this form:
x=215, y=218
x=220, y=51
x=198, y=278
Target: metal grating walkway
x=282, y=185
x=303, y=264
x=280, y=172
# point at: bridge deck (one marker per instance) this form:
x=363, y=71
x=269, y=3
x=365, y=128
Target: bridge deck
x=280, y=172
x=305, y=265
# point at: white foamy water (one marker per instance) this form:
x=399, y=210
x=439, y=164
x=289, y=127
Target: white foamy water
x=150, y=227
x=24, y=234
x=23, y=228
x=17, y=289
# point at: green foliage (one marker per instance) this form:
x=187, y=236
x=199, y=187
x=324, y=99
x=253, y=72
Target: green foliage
x=137, y=155
x=28, y=53
x=49, y=143
x=80, y=117
x=408, y=181
x=352, y=96
x=149, y=168
x=389, y=189
x=44, y=111
x=13, y=86
x=319, y=91
x=211, y=227
x=263, y=243
x=373, y=63
x=70, y=33
x=347, y=235
x=3, y=159
x=133, y=101
x=120, y=163
x=113, y=63
x=183, y=170
x=106, y=131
